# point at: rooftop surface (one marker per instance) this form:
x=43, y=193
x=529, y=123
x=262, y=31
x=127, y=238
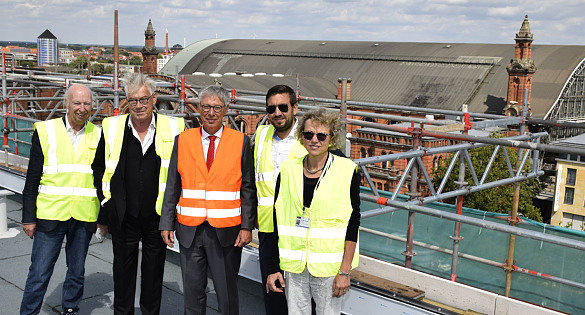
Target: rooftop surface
x=99, y=285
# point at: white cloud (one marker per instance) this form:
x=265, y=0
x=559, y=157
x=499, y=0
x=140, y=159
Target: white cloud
x=494, y=21
x=504, y=11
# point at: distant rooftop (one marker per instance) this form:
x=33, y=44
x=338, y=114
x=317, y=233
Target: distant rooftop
x=47, y=34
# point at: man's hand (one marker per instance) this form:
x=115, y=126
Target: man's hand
x=271, y=282
x=29, y=229
x=103, y=229
x=168, y=237
x=244, y=237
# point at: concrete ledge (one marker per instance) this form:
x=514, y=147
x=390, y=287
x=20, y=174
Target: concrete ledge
x=450, y=293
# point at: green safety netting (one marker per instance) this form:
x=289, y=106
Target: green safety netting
x=550, y=259
x=530, y=254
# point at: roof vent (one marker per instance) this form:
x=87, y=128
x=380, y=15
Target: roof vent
x=375, y=45
x=278, y=75
x=229, y=73
x=247, y=75
x=215, y=75
x=447, y=46
x=198, y=73
x=323, y=43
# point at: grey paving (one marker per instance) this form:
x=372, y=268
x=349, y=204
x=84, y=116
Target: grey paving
x=98, y=296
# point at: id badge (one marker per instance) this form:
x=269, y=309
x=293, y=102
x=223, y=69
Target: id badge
x=303, y=222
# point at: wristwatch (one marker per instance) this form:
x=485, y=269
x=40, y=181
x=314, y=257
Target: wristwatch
x=341, y=273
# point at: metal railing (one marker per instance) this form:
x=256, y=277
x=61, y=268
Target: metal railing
x=20, y=91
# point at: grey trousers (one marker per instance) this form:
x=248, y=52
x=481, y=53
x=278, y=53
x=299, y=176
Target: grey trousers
x=299, y=289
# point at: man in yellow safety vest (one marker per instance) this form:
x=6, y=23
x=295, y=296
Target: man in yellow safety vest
x=60, y=201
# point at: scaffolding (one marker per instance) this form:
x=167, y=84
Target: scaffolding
x=29, y=96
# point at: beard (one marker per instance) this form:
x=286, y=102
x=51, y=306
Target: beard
x=288, y=123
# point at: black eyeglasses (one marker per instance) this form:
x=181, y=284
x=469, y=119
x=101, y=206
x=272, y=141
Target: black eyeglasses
x=308, y=135
x=216, y=108
x=283, y=108
x=142, y=100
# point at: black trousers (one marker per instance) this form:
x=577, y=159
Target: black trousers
x=274, y=302
x=223, y=263
x=125, y=244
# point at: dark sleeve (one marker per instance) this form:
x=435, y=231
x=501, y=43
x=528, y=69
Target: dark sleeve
x=33, y=180
x=98, y=167
x=172, y=192
x=271, y=239
x=354, y=221
x=248, y=188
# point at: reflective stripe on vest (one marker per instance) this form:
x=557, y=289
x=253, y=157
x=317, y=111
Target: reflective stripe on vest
x=167, y=128
x=212, y=195
x=66, y=189
x=264, y=173
x=321, y=246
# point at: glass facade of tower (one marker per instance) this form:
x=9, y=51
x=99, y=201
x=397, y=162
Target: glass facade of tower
x=47, y=51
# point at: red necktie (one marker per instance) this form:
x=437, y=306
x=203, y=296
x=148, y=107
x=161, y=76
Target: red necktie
x=210, y=151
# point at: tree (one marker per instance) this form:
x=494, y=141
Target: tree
x=97, y=69
x=135, y=60
x=498, y=199
x=81, y=60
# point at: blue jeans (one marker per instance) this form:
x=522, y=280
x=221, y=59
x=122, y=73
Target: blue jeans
x=45, y=251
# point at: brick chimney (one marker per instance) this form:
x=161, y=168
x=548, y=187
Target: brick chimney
x=340, y=88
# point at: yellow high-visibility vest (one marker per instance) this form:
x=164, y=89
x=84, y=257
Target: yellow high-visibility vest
x=66, y=188
x=320, y=247
x=166, y=130
x=264, y=173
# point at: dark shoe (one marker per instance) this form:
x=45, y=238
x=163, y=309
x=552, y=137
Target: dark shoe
x=68, y=311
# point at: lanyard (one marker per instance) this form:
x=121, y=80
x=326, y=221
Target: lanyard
x=327, y=165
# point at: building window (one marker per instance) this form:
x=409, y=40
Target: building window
x=379, y=186
x=384, y=163
x=363, y=151
x=571, y=176
x=386, y=187
x=370, y=151
x=569, y=193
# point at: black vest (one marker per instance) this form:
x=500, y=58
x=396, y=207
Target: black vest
x=141, y=177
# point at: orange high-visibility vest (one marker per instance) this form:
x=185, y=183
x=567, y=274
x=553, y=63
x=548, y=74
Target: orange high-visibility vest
x=215, y=194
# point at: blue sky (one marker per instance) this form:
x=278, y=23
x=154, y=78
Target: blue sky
x=467, y=21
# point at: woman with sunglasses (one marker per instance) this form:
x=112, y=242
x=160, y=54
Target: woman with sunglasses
x=316, y=220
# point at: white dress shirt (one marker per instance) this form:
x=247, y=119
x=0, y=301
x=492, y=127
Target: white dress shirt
x=281, y=148
x=149, y=138
x=74, y=137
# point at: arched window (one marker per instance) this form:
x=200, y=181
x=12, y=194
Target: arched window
x=363, y=151
x=370, y=152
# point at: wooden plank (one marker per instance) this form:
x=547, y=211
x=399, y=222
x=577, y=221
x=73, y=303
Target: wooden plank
x=387, y=285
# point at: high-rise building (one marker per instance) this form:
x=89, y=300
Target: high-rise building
x=47, y=49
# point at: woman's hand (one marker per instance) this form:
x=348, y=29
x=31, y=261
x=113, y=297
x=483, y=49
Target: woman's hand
x=341, y=285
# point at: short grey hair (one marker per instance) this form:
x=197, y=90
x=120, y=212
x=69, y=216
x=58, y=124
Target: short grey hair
x=328, y=118
x=77, y=85
x=217, y=91
x=134, y=81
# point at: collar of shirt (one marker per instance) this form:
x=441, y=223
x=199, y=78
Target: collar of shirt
x=74, y=137
x=149, y=135
x=205, y=134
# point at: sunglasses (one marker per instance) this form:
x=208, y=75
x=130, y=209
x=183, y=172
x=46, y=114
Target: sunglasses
x=308, y=135
x=283, y=108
